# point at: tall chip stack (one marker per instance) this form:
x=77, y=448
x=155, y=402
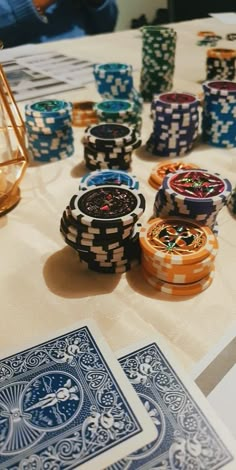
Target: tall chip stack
x=102, y=224
x=158, y=60
x=175, y=124
x=49, y=130
x=177, y=255
x=220, y=64
x=195, y=194
x=219, y=113
x=109, y=146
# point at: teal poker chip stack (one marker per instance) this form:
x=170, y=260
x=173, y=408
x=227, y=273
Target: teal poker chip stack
x=103, y=177
x=232, y=202
x=109, y=146
x=196, y=194
x=119, y=111
x=158, y=60
x=219, y=113
x=49, y=130
x=101, y=223
x=114, y=80
x=175, y=124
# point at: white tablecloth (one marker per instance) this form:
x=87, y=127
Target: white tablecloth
x=43, y=286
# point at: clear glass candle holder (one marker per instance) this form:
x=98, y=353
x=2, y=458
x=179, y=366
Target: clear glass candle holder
x=13, y=152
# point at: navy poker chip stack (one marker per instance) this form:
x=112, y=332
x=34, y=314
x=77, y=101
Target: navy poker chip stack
x=102, y=224
x=175, y=124
x=114, y=80
x=110, y=177
x=119, y=111
x=219, y=113
x=109, y=146
x=49, y=131
x=196, y=194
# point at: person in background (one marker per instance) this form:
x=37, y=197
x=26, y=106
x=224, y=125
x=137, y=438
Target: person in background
x=34, y=21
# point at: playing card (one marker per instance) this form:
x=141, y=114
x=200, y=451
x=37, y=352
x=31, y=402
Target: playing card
x=65, y=403
x=189, y=436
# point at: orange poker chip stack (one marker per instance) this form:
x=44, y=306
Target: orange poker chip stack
x=83, y=114
x=159, y=172
x=178, y=255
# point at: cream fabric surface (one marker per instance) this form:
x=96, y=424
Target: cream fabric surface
x=43, y=286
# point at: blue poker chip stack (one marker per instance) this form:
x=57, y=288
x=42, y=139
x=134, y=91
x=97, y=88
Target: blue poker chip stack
x=115, y=81
x=219, y=113
x=196, y=194
x=119, y=111
x=101, y=223
x=175, y=124
x=49, y=130
x=110, y=177
x=109, y=146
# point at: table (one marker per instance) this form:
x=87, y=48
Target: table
x=43, y=286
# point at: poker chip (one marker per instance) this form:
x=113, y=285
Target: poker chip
x=84, y=114
x=158, y=60
x=48, y=130
x=218, y=115
x=110, y=177
x=220, y=64
x=101, y=223
x=177, y=255
x=161, y=170
x=231, y=37
x=175, y=124
x=232, y=202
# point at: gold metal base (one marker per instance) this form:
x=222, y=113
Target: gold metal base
x=9, y=201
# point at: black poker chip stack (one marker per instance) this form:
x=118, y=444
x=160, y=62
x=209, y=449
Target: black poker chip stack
x=109, y=146
x=102, y=224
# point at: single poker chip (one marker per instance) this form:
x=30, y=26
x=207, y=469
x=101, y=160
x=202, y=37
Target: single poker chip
x=111, y=134
x=231, y=37
x=177, y=240
x=110, y=177
x=161, y=170
x=179, y=289
x=114, y=107
x=218, y=53
x=110, y=205
x=177, y=100
x=206, y=33
x=48, y=108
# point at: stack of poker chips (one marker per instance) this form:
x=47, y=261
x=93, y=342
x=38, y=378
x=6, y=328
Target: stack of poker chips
x=232, y=202
x=219, y=113
x=101, y=224
x=208, y=38
x=111, y=177
x=120, y=111
x=48, y=129
x=114, y=80
x=109, y=146
x=196, y=194
x=158, y=60
x=161, y=170
x=220, y=64
x=178, y=255
x=83, y=114
x=175, y=124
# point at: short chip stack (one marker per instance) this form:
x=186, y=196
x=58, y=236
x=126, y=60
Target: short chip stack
x=178, y=255
x=220, y=64
x=115, y=81
x=119, y=111
x=109, y=146
x=175, y=126
x=110, y=177
x=219, y=113
x=49, y=131
x=101, y=224
x=83, y=114
x=195, y=194
x=158, y=60
x=161, y=170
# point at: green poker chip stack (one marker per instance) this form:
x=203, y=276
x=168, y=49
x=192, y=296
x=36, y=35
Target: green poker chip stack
x=119, y=111
x=158, y=60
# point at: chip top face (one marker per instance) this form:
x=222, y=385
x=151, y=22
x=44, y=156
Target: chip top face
x=222, y=85
x=109, y=131
x=48, y=106
x=173, y=167
x=84, y=105
x=196, y=184
x=108, y=202
x=177, y=98
x=114, y=106
x=175, y=237
x=114, y=66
